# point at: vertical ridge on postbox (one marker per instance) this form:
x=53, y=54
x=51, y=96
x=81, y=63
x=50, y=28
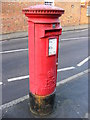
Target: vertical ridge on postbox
x=31, y=44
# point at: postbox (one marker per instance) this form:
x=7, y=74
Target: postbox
x=43, y=41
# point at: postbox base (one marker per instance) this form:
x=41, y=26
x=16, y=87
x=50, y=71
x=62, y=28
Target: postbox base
x=42, y=105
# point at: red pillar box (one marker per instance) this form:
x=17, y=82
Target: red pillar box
x=43, y=30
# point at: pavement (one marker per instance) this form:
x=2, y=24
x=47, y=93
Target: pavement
x=72, y=78
x=25, y=33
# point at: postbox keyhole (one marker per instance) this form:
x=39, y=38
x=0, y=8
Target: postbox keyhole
x=53, y=25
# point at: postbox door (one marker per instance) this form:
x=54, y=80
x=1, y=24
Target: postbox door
x=52, y=49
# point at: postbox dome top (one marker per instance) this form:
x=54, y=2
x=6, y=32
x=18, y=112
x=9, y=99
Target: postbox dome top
x=43, y=9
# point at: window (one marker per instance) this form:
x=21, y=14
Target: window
x=88, y=11
x=49, y=2
x=83, y=2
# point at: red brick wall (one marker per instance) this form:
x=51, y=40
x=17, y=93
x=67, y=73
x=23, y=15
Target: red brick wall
x=72, y=13
x=13, y=20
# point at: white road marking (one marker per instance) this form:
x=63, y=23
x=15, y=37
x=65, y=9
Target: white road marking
x=75, y=31
x=74, y=38
x=86, y=115
x=18, y=78
x=20, y=50
x=12, y=51
x=27, y=76
x=64, y=69
x=81, y=30
x=72, y=77
x=1, y=83
x=84, y=61
x=14, y=102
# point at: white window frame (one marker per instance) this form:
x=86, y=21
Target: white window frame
x=49, y=2
x=83, y=2
x=88, y=11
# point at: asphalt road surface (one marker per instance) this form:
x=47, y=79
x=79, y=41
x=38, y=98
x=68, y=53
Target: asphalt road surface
x=73, y=59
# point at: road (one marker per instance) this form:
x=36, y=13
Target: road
x=73, y=50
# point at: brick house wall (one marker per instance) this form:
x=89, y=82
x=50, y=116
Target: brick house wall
x=13, y=20
x=72, y=13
